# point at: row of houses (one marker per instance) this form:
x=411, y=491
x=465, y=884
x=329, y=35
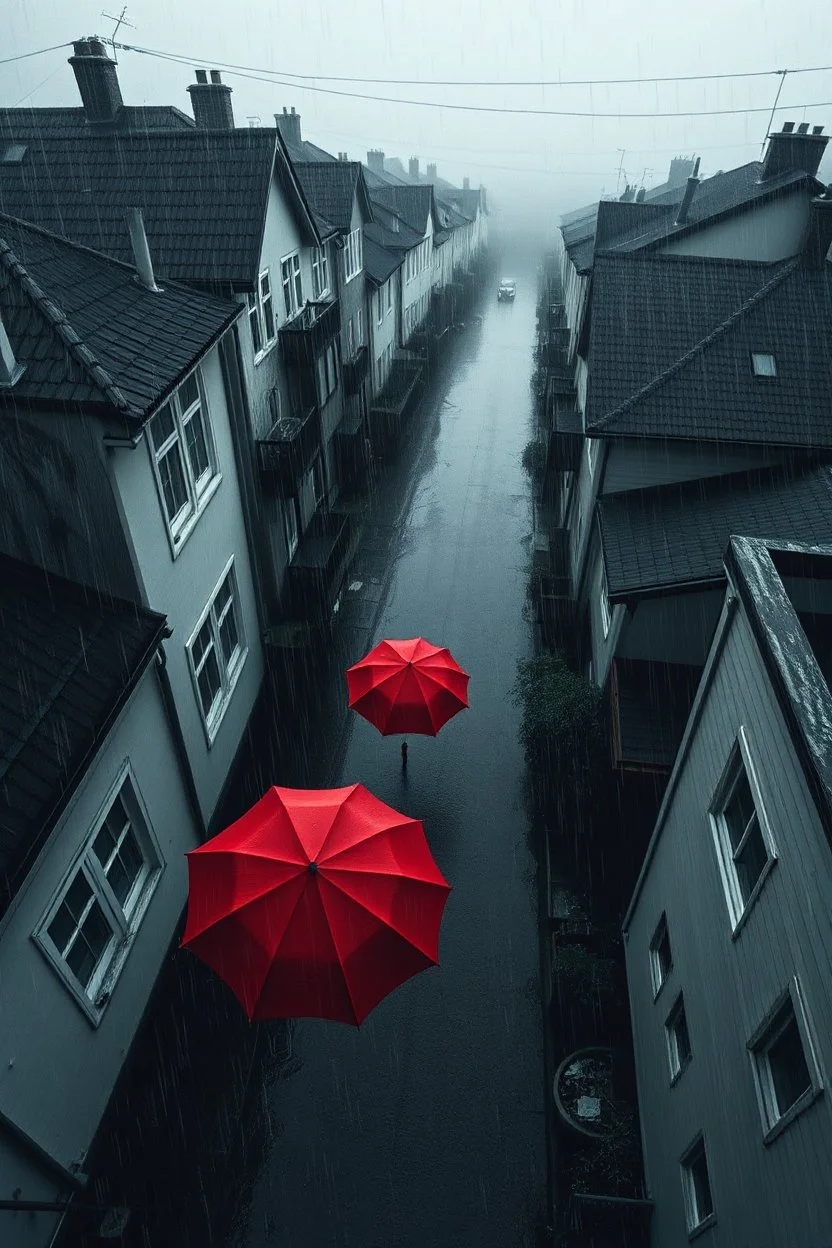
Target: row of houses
x=208, y=334
x=684, y=556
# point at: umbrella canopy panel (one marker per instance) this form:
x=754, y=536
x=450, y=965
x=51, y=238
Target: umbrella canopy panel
x=316, y=903
x=409, y=686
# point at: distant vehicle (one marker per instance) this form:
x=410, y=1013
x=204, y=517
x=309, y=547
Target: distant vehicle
x=508, y=290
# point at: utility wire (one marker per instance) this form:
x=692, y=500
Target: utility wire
x=23, y=56
x=471, y=108
x=458, y=82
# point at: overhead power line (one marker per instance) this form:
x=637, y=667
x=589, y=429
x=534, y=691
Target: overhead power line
x=24, y=56
x=467, y=108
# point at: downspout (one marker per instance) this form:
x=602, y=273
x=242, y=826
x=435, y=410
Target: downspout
x=179, y=738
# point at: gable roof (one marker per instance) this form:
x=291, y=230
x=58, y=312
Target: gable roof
x=69, y=659
x=203, y=193
x=675, y=535
x=331, y=188
x=414, y=204
x=22, y=125
x=88, y=332
x=670, y=346
x=380, y=261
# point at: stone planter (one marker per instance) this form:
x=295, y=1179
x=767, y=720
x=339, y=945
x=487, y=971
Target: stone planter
x=583, y=1091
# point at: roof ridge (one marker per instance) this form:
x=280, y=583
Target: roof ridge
x=656, y=382
x=60, y=323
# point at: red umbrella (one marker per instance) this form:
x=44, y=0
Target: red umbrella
x=316, y=903
x=408, y=687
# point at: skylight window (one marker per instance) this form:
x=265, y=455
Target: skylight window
x=763, y=364
x=12, y=153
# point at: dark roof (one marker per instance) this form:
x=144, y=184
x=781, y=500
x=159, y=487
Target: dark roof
x=88, y=332
x=670, y=344
x=465, y=201
x=412, y=203
x=330, y=188
x=69, y=658
x=25, y=124
x=304, y=151
x=203, y=194
x=380, y=262
x=676, y=535
x=398, y=240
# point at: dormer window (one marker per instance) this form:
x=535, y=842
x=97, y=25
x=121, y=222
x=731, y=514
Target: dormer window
x=763, y=364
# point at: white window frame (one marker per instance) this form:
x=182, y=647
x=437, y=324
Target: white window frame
x=764, y=363
x=593, y=446
x=696, y=1224
x=320, y=272
x=380, y=305
x=291, y=282
x=739, y=758
x=291, y=531
x=260, y=310
x=200, y=490
x=658, y=977
x=769, y=1030
x=326, y=370
x=124, y=920
x=316, y=479
x=359, y=329
x=389, y=288
x=353, y=255
x=677, y=1061
x=229, y=669
x=604, y=602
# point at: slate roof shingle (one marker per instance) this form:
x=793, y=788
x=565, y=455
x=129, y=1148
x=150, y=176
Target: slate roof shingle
x=670, y=345
x=677, y=534
x=88, y=332
x=68, y=659
x=203, y=194
x=412, y=203
x=330, y=189
x=25, y=124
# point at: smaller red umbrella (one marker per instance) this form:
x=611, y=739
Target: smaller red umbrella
x=408, y=687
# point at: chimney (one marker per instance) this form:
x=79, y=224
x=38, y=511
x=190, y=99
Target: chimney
x=10, y=370
x=97, y=79
x=791, y=151
x=375, y=160
x=141, y=251
x=211, y=102
x=413, y=168
x=640, y=193
x=343, y=156
x=431, y=175
x=687, y=199
x=627, y=195
x=681, y=168
x=818, y=233
x=289, y=126
x=466, y=184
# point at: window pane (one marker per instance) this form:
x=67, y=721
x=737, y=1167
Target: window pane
x=254, y=323
x=789, y=1071
x=85, y=952
x=125, y=867
x=189, y=392
x=70, y=912
x=228, y=634
x=680, y=1030
x=111, y=832
x=268, y=317
x=202, y=643
x=209, y=681
x=740, y=808
x=172, y=475
x=751, y=860
x=162, y=426
x=663, y=954
x=197, y=446
x=701, y=1188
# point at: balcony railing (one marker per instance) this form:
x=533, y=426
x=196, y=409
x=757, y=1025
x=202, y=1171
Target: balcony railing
x=355, y=370
x=318, y=565
x=290, y=446
x=305, y=335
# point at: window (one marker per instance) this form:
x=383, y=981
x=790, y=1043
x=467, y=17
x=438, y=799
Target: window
x=696, y=1184
x=316, y=475
x=359, y=328
x=606, y=615
x=183, y=454
x=320, y=273
x=89, y=925
x=785, y=1066
x=353, y=255
x=593, y=446
x=380, y=306
x=275, y=406
x=661, y=959
x=217, y=653
x=290, y=526
x=327, y=373
x=261, y=315
x=742, y=838
x=292, y=284
x=678, y=1038
x=763, y=364
x=389, y=288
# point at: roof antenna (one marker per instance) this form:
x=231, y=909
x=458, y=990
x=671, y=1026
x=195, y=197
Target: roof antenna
x=121, y=20
x=782, y=73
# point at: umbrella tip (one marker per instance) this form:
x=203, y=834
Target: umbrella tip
x=313, y=868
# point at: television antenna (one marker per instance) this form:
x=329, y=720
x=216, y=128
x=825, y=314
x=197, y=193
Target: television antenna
x=121, y=20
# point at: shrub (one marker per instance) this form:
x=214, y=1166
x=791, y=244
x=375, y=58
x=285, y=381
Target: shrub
x=534, y=459
x=560, y=708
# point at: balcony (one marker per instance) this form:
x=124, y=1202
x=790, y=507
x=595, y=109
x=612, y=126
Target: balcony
x=399, y=396
x=318, y=565
x=355, y=370
x=289, y=448
x=551, y=579
x=305, y=335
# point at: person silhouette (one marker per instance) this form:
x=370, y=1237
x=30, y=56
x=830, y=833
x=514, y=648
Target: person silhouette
x=404, y=755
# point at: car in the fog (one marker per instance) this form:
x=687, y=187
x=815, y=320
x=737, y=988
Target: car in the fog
x=508, y=290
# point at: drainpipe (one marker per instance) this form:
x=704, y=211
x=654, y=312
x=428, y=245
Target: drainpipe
x=141, y=250
x=179, y=738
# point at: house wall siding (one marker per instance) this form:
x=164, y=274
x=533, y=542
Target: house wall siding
x=675, y=628
x=182, y=587
x=418, y=288
x=602, y=649
x=765, y=1196
x=584, y=487
x=638, y=463
x=768, y=231
x=58, y=1072
x=384, y=335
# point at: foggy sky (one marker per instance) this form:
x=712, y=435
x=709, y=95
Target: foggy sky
x=533, y=166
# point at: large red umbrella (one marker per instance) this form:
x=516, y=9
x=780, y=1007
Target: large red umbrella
x=316, y=903
x=408, y=687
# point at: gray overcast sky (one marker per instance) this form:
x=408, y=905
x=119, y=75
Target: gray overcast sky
x=550, y=163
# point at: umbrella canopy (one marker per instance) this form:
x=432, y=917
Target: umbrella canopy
x=408, y=687
x=315, y=904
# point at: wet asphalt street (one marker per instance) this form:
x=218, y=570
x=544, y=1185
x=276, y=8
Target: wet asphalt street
x=425, y=1127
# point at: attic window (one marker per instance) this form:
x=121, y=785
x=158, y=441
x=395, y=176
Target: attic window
x=763, y=364
x=12, y=153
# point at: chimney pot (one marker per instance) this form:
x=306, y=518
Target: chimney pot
x=803, y=128
x=216, y=76
x=375, y=160
x=202, y=75
x=788, y=127
x=141, y=251
x=293, y=110
x=97, y=79
x=817, y=129
x=466, y=184
x=687, y=199
x=289, y=126
x=793, y=151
